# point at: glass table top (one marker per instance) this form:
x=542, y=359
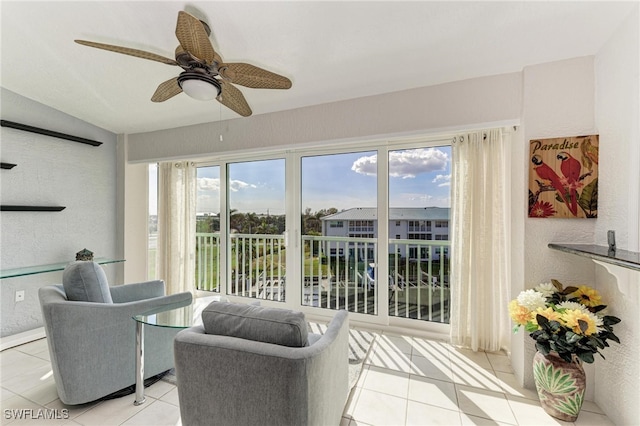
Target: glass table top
x=183, y=317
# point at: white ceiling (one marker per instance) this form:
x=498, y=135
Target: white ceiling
x=330, y=50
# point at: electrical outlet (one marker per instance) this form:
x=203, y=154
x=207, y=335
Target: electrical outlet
x=19, y=295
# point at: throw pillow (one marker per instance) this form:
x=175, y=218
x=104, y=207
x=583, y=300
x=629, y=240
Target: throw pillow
x=258, y=323
x=85, y=281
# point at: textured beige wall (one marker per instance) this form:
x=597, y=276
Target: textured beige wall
x=558, y=100
x=51, y=171
x=617, y=70
x=451, y=106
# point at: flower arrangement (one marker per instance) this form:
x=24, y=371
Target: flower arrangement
x=569, y=321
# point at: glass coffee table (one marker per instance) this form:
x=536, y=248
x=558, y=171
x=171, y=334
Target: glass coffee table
x=183, y=317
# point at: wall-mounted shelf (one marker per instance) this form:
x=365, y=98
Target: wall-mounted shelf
x=41, y=269
x=31, y=208
x=623, y=258
x=32, y=129
x=7, y=166
x=622, y=264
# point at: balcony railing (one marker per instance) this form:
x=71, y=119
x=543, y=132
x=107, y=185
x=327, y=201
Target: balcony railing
x=338, y=273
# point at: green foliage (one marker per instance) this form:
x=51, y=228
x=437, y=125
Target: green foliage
x=588, y=200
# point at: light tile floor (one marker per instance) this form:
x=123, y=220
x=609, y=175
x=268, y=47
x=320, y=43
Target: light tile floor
x=404, y=381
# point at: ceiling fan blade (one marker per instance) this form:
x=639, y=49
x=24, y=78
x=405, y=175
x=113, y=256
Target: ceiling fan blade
x=167, y=90
x=233, y=98
x=128, y=51
x=251, y=76
x=194, y=38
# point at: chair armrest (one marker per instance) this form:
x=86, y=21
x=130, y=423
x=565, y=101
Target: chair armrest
x=138, y=291
x=104, y=315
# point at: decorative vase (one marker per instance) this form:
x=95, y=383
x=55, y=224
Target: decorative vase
x=560, y=385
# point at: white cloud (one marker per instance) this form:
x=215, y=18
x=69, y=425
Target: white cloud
x=405, y=164
x=237, y=185
x=366, y=165
x=209, y=184
x=442, y=180
x=213, y=184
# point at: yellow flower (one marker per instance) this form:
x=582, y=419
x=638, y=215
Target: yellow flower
x=519, y=314
x=587, y=296
x=548, y=313
x=571, y=317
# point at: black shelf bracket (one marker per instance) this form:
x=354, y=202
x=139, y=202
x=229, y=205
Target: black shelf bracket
x=7, y=166
x=6, y=208
x=27, y=128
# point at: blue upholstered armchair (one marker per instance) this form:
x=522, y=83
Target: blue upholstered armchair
x=91, y=333
x=251, y=365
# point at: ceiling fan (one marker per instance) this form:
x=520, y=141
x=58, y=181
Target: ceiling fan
x=205, y=75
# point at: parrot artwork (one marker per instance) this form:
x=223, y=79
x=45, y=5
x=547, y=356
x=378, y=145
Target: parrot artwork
x=547, y=173
x=570, y=168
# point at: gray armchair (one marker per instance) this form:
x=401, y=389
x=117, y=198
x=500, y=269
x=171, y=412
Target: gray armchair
x=249, y=365
x=92, y=343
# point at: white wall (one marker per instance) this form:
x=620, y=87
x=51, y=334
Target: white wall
x=133, y=216
x=583, y=96
x=558, y=100
x=617, y=72
x=51, y=171
x=456, y=106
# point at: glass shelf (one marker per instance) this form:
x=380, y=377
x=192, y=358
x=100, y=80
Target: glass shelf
x=52, y=267
x=623, y=258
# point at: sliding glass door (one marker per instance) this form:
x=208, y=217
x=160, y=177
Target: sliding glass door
x=419, y=231
x=376, y=247
x=256, y=227
x=339, y=232
x=208, y=244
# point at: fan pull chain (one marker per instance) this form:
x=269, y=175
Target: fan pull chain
x=220, y=120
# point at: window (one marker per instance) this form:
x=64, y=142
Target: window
x=332, y=276
x=419, y=190
x=208, y=245
x=334, y=241
x=257, y=221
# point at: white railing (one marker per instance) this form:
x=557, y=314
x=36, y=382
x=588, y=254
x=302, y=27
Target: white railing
x=257, y=265
x=419, y=279
x=207, y=261
x=338, y=273
x=341, y=272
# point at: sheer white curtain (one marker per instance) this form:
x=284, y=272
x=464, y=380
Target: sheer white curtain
x=176, y=225
x=480, y=259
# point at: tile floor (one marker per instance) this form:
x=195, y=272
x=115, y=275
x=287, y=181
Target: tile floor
x=405, y=381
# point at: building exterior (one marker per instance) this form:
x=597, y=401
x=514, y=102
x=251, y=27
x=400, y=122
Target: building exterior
x=405, y=224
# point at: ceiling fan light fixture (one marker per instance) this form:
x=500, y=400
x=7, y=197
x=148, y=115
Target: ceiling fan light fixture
x=199, y=86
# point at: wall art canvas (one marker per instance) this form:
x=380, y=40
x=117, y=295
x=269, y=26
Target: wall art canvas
x=563, y=177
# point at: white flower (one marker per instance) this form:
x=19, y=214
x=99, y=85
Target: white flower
x=532, y=300
x=547, y=289
x=573, y=306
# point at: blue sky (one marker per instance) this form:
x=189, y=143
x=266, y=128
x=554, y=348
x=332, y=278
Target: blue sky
x=417, y=178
